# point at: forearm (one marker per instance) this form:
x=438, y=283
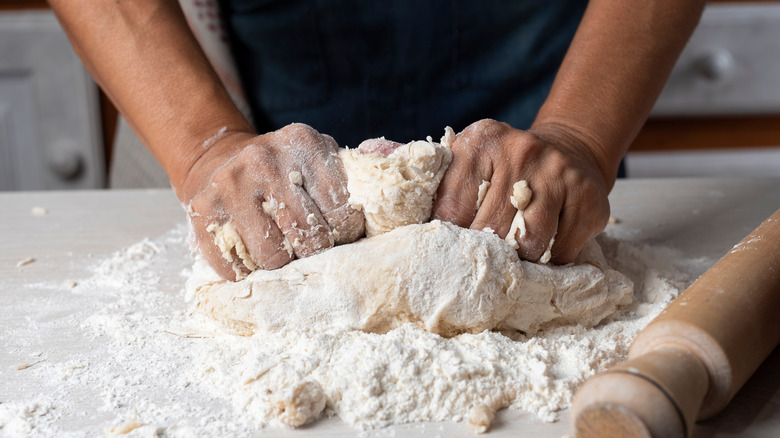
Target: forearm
x=145, y=58
x=614, y=71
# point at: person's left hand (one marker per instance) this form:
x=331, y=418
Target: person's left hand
x=569, y=187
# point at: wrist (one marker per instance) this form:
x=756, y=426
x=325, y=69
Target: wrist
x=191, y=169
x=579, y=142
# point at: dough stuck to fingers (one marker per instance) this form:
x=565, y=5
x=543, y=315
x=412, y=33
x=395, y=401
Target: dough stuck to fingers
x=520, y=198
x=296, y=178
x=481, y=192
x=229, y=242
x=548, y=252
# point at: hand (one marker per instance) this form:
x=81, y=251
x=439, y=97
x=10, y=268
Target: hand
x=284, y=193
x=569, y=189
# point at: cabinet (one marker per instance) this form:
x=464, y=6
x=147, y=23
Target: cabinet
x=50, y=135
x=723, y=91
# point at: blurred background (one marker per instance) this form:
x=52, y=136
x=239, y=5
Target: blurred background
x=719, y=114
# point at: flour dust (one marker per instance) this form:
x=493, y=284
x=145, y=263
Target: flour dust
x=154, y=369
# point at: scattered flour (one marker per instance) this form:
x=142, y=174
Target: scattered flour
x=150, y=364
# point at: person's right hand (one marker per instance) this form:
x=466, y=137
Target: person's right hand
x=284, y=192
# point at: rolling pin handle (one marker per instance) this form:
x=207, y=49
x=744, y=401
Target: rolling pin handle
x=656, y=395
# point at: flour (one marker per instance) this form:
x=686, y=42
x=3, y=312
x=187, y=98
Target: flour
x=416, y=284
x=411, y=375
x=151, y=362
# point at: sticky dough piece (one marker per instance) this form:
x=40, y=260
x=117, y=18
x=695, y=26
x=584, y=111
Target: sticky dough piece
x=228, y=241
x=481, y=192
x=520, y=198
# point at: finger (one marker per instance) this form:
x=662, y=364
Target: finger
x=326, y=184
x=458, y=192
x=541, y=223
x=205, y=239
x=299, y=220
x=261, y=236
x=496, y=211
x=580, y=221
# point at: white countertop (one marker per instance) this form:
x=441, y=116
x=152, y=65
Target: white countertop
x=701, y=217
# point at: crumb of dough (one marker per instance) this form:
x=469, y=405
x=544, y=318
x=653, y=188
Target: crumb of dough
x=270, y=206
x=481, y=417
x=613, y=220
x=481, y=192
x=70, y=284
x=298, y=405
x=296, y=178
x=24, y=366
x=39, y=211
x=124, y=428
x=448, y=138
x=548, y=252
x=25, y=262
x=521, y=195
x=287, y=246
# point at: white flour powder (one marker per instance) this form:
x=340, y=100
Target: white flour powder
x=152, y=370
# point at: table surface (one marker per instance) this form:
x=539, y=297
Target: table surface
x=703, y=218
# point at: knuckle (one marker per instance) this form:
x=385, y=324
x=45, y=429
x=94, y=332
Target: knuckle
x=480, y=135
x=303, y=133
x=256, y=155
x=486, y=126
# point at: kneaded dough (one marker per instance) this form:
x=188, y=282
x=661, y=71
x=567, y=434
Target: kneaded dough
x=445, y=278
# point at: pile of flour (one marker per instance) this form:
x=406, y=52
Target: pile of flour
x=154, y=370
x=411, y=375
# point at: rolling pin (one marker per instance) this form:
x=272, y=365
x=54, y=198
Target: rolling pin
x=691, y=360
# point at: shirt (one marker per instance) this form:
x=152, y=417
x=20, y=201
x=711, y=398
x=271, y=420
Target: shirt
x=403, y=69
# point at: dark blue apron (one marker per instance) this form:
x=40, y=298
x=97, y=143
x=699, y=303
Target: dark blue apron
x=403, y=69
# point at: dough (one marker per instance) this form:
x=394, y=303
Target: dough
x=521, y=196
x=231, y=246
x=396, y=189
x=447, y=279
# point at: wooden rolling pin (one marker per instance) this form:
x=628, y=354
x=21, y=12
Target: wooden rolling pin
x=690, y=361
